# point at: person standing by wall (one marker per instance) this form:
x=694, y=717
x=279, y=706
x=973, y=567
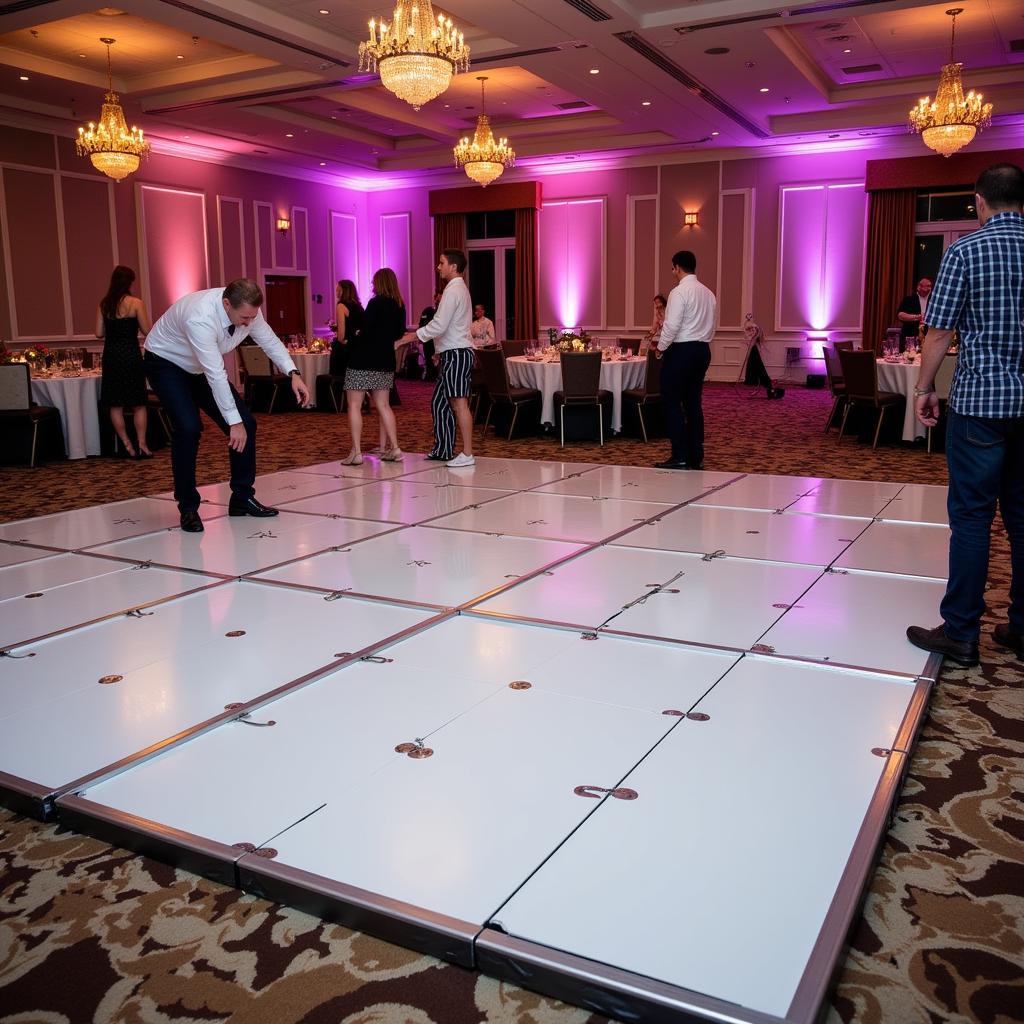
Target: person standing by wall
x=980, y=293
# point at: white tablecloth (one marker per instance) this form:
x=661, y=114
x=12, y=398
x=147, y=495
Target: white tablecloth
x=310, y=365
x=901, y=378
x=547, y=378
x=78, y=400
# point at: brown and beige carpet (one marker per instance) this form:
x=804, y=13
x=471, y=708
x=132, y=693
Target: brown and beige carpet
x=92, y=933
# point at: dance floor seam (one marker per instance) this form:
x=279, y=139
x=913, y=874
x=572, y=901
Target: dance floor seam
x=494, y=725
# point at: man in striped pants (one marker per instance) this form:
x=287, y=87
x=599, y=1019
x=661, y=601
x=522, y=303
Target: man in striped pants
x=453, y=354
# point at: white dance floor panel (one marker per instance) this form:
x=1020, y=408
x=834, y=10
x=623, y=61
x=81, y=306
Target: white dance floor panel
x=436, y=567
x=236, y=545
x=552, y=701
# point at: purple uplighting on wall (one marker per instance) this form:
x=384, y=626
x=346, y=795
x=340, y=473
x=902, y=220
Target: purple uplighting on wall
x=571, y=243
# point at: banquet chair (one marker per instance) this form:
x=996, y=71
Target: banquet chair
x=494, y=373
x=943, y=382
x=632, y=344
x=259, y=370
x=836, y=384
x=840, y=345
x=581, y=386
x=16, y=405
x=513, y=348
x=648, y=394
x=860, y=373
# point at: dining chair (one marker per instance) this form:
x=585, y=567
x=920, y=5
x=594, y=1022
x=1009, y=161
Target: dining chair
x=16, y=405
x=860, y=373
x=943, y=382
x=840, y=345
x=836, y=383
x=494, y=374
x=581, y=386
x=649, y=393
x=513, y=348
x=259, y=370
x=632, y=344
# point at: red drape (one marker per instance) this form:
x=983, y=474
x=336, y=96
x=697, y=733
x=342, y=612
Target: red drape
x=449, y=233
x=890, y=260
x=527, y=286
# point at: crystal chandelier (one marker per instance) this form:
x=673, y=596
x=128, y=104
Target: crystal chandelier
x=953, y=119
x=416, y=55
x=483, y=159
x=112, y=147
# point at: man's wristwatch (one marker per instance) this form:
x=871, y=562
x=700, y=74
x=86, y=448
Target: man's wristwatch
x=293, y=373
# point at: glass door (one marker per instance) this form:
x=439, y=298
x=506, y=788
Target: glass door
x=491, y=279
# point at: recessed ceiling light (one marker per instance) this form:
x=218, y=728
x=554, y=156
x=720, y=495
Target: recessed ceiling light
x=847, y=50
x=595, y=71
x=645, y=103
x=186, y=136
x=716, y=133
x=289, y=135
x=81, y=55
x=323, y=163
x=180, y=56
x=763, y=90
x=24, y=78
x=324, y=10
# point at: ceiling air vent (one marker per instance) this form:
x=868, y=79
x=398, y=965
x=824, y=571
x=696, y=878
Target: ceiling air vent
x=573, y=105
x=495, y=58
x=590, y=10
x=1017, y=46
x=862, y=69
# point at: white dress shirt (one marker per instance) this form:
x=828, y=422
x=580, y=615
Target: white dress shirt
x=481, y=332
x=450, y=327
x=193, y=334
x=690, y=314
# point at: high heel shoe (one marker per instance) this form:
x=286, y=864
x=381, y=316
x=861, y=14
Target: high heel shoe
x=352, y=459
x=392, y=455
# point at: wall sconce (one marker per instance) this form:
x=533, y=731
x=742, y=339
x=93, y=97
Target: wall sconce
x=691, y=218
x=283, y=224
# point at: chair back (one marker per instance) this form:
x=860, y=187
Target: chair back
x=833, y=370
x=840, y=345
x=860, y=374
x=632, y=344
x=255, y=361
x=944, y=377
x=513, y=348
x=581, y=374
x=15, y=388
x=494, y=372
x=652, y=381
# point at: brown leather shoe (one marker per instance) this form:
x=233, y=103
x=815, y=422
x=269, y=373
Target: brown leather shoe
x=962, y=652
x=1006, y=636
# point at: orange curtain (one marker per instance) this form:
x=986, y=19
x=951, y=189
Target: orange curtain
x=449, y=233
x=527, y=286
x=890, y=260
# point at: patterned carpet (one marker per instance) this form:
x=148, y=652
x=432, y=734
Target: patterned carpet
x=91, y=933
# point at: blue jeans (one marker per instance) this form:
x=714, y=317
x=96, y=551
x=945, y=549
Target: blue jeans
x=682, y=382
x=986, y=464
x=183, y=395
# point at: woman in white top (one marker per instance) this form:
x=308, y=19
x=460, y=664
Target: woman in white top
x=653, y=336
x=481, y=330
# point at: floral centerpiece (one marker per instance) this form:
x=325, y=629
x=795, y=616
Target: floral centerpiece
x=317, y=345
x=568, y=341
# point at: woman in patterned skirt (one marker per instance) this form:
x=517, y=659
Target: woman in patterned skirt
x=119, y=320
x=371, y=365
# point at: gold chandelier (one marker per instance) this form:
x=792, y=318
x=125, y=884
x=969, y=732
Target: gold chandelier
x=483, y=159
x=415, y=55
x=953, y=119
x=112, y=147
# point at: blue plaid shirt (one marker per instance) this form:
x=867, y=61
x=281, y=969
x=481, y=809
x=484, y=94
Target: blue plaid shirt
x=980, y=291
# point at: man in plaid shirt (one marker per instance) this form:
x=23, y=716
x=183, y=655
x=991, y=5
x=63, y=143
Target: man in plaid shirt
x=980, y=292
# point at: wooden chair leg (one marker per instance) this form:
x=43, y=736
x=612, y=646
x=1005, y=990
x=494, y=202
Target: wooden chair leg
x=487, y=418
x=515, y=413
x=334, y=397
x=831, y=414
x=878, y=427
x=842, y=425
x=643, y=425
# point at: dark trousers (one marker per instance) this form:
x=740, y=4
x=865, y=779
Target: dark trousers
x=986, y=464
x=183, y=395
x=682, y=382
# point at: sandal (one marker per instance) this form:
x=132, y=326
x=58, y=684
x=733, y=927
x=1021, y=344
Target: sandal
x=352, y=459
x=392, y=455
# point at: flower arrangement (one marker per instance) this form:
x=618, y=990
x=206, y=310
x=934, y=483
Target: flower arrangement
x=33, y=354
x=568, y=341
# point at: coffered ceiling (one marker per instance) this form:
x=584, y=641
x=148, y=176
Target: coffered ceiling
x=279, y=81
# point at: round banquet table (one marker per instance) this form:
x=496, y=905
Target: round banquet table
x=616, y=377
x=901, y=378
x=77, y=398
x=310, y=365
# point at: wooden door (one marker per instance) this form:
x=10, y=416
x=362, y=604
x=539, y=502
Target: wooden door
x=284, y=305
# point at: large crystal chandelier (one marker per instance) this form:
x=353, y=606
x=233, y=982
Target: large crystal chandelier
x=111, y=145
x=483, y=159
x=953, y=119
x=416, y=55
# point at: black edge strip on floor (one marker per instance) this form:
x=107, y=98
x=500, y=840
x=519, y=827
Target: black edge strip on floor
x=444, y=937
x=825, y=961
x=24, y=797
x=172, y=846
x=599, y=988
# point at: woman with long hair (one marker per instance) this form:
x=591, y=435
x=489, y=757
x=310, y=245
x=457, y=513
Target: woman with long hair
x=348, y=319
x=371, y=366
x=653, y=336
x=119, y=320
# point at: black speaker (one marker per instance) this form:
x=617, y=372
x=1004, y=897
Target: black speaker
x=815, y=380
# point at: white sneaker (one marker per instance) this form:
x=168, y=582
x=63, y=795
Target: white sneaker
x=461, y=460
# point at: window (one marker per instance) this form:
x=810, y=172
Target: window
x=496, y=224
x=956, y=203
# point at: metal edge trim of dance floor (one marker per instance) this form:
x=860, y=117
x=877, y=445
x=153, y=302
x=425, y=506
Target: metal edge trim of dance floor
x=627, y=996
x=25, y=797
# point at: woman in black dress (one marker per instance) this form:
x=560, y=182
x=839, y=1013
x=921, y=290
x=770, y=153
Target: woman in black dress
x=120, y=318
x=371, y=365
x=349, y=318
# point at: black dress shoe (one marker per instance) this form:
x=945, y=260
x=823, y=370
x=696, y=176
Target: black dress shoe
x=670, y=464
x=250, y=507
x=1005, y=635
x=693, y=465
x=962, y=652
x=191, y=523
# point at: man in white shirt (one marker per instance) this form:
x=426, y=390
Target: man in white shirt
x=685, y=345
x=453, y=348
x=481, y=330
x=184, y=362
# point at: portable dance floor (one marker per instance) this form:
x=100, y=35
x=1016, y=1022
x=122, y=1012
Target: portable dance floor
x=626, y=736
